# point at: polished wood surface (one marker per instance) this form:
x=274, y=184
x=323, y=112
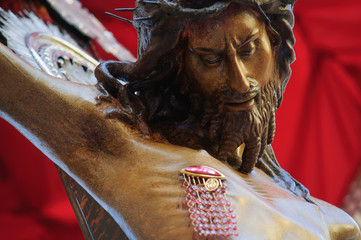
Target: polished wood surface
x=94, y=221
x=136, y=179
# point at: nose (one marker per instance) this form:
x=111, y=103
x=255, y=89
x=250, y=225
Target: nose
x=238, y=75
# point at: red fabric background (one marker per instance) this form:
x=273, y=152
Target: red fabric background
x=318, y=135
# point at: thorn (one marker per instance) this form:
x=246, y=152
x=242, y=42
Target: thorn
x=124, y=9
x=120, y=18
x=141, y=18
x=150, y=1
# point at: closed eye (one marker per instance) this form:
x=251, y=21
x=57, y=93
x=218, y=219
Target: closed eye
x=248, y=49
x=212, y=59
x=246, y=53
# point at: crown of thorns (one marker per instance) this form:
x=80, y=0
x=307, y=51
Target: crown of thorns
x=195, y=7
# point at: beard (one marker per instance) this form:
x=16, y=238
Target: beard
x=228, y=130
x=219, y=130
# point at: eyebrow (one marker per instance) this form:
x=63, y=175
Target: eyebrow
x=250, y=38
x=209, y=51
x=206, y=51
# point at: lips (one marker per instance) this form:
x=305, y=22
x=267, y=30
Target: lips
x=240, y=104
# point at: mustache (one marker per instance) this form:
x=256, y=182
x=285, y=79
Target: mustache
x=229, y=95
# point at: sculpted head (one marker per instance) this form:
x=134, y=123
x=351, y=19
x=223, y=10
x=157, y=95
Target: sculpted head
x=213, y=79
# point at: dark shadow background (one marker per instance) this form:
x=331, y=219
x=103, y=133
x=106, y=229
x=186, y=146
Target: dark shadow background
x=318, y=136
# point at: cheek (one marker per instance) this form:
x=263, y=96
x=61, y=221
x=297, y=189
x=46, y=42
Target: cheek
x=264, y=63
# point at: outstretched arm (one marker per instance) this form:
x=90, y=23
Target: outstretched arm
x=136, y=180
x=121, y=170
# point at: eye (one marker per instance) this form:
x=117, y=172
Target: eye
x=212, y=59
x=248, y=49
x=246, y=53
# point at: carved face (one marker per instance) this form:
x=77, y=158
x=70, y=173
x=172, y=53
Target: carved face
x=230, y=53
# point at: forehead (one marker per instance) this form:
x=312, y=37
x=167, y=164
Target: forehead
x=236, y=24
